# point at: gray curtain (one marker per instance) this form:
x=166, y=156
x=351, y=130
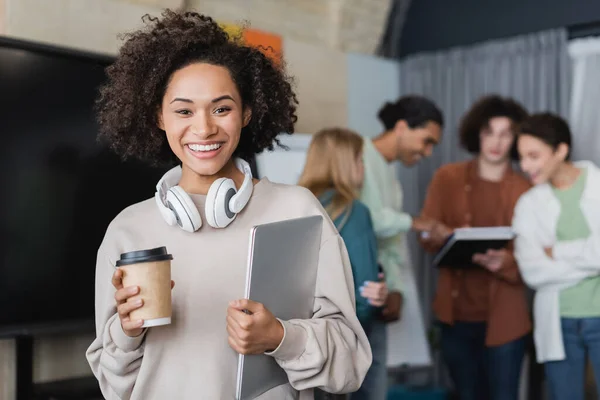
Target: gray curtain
x=585, y=97
x=534, y=69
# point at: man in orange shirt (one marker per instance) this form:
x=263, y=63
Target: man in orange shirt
x=482, y=312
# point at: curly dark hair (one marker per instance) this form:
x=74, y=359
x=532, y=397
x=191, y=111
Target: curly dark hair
x=479, y=116
x=128, y=103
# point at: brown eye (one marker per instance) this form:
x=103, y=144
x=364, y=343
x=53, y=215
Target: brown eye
x=222, y=110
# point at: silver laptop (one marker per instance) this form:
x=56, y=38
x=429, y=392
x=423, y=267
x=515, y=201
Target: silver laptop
x=282, y=275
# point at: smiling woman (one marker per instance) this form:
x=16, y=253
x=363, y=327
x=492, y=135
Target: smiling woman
x=154, y=60
x=203, y=116
x=183, y=90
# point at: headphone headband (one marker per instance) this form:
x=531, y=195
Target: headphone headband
x=240, y=199
x=217, y=203
x=169, y=179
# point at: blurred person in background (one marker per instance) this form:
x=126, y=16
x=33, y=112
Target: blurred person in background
x=557, y=247
x=482, y=312
x=413, y=126
x=334, y=173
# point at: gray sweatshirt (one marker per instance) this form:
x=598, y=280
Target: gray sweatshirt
x=191, y=358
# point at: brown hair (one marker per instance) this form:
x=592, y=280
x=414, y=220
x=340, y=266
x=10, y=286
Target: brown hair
x=479, y=115
x=329, y=163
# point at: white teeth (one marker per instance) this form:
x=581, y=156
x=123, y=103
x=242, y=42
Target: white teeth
x=202, y=147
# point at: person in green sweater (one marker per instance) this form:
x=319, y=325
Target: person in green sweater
x=334, y=174
x=413, y=126
x=557, y=247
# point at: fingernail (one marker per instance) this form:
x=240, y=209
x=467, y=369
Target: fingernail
x=138, y=302
x=134, y=289
x=140, y=322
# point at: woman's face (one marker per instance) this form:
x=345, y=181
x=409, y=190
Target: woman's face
x=203, y=116
x=538, y=159
x=496, y=140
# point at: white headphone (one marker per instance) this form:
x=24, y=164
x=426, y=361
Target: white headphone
x=223, y=201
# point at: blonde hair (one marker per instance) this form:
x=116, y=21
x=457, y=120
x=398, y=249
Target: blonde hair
x=330, y=164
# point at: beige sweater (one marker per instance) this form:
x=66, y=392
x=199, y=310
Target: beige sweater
x=191, y=358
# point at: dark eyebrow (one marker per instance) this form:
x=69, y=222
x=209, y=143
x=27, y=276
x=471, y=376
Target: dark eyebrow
x=225, y=97
x=183, y=100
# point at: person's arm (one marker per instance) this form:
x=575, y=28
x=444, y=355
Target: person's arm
x=584, y=253
x=329, y=351
x=114, y=357
x=509, y=271
x=537, y=269
x=387, y=222
x=432, y=209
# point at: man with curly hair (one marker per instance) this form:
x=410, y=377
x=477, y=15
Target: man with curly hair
x=182, y=90
x=482, y=312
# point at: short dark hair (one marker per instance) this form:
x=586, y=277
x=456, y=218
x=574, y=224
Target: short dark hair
x=417, y=111
x=128, y=103
x=479, y=116
x=549, y=128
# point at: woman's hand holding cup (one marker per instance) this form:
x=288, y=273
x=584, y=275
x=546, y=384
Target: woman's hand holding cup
x=132, y=328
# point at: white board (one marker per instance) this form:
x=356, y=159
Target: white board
x=284, y=166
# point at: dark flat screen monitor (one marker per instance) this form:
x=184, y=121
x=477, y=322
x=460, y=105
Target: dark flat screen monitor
x=60, y=187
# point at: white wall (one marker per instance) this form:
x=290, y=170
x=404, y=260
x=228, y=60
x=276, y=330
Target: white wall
x=343, y=25
x=321, y=81
x=371, y=82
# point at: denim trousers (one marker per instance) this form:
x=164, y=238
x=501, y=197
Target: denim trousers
x=479, y=371
x=374, y=386
x=566, y=378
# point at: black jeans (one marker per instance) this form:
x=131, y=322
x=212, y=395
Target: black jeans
x=481, y=372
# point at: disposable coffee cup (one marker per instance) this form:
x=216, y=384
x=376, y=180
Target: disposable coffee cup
x=150, y=270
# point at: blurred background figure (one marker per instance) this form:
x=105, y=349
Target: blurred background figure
x=558, y=250
x=334, y=172
x=482, y=312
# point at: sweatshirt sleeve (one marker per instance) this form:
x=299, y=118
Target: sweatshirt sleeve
x=114, y=357
x=539, y=270
x=432, y=208
x=509, y=271
x=330, y=351
x=584, y=253
x=387, y=222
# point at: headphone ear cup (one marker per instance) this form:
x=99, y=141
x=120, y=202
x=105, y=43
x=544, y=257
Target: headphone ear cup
x=218, y=214
x=167, y=214
x=186, y=213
